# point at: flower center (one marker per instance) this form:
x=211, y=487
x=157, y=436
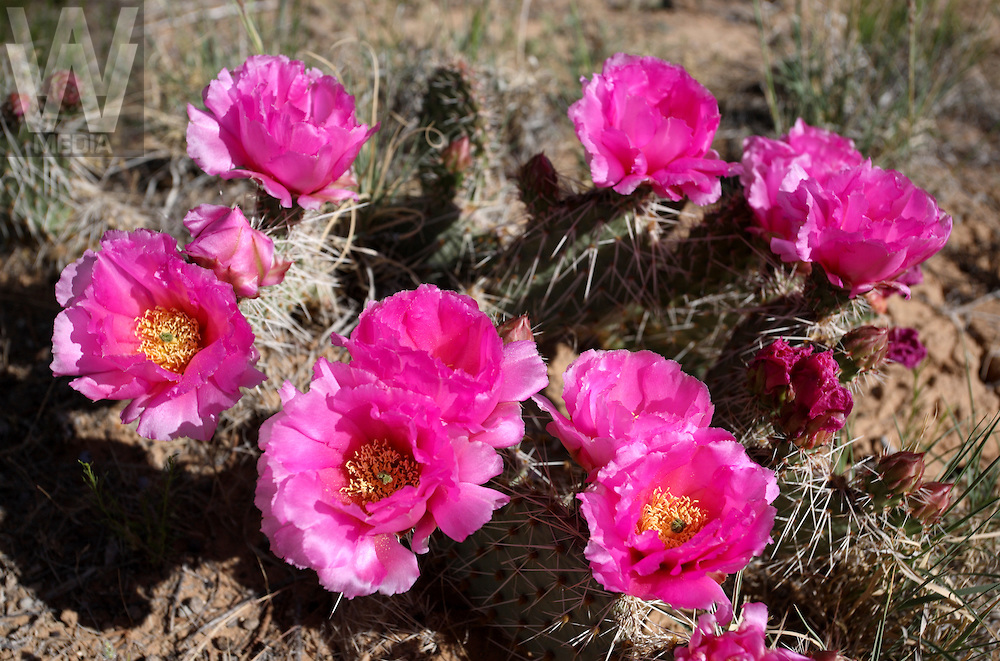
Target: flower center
x=377, y=471
x=170, y=338
x=675, y=519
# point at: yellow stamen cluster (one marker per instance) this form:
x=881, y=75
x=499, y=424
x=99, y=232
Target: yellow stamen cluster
x=675, y=519
x=376, y=471
x=169, y=338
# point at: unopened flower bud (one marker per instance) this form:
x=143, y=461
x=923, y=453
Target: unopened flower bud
x=867, y=347
x=929, y=502
x=64, y=86
x=14, y=108
x=457, y=156
x=515, y=330
x=894, y=476
x=225, y=242
x=19, y=104
x=538, y=182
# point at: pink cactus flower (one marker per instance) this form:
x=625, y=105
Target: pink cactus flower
x=142, y=324
x=905, y=347
x=439, y=344
x=352, y=465
x=225, y=242
x=289, y=128
x=773, y=169
x=670, y=515
x=868, y=227
x=615, y=397
x=746, y=643
x=817, y=200
x=817, y=405
x=646, y=121
x=769, y=373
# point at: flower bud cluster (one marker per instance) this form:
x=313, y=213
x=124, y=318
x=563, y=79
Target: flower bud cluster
x=800, y=392
x=896, y=477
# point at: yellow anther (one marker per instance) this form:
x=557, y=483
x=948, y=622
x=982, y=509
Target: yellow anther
x=169, y=338
x=676, y=519
x=376, y=471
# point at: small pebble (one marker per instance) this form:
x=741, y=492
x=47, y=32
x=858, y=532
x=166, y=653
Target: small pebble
x=69, y=617
x=196, y=604
x=26, y=603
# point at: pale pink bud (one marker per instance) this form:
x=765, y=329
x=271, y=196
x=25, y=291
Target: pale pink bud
x=225, y=242
x=457, y=156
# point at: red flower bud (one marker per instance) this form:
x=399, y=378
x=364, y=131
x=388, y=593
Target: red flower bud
x=64, y=86
x=514, y=330
x=538, y=183
x=867, y=347
x=894, y=476
x=930, y=501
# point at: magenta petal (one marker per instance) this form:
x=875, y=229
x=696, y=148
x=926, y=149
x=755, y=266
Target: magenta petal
x=613, y=395
x=523, y=371
x=471, y=507
x=323, y=509
x=205, y=144
x=503, y=428
x=643, y=120
x=95, y=338
x=439, y=344
x=291, y=129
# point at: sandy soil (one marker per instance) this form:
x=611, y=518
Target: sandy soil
x=210, y=589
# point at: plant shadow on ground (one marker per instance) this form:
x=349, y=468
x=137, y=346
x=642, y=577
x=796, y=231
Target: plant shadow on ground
x=159, y=529
x=99, y=550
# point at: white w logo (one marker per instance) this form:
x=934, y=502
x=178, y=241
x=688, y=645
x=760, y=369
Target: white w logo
x=73, y=50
